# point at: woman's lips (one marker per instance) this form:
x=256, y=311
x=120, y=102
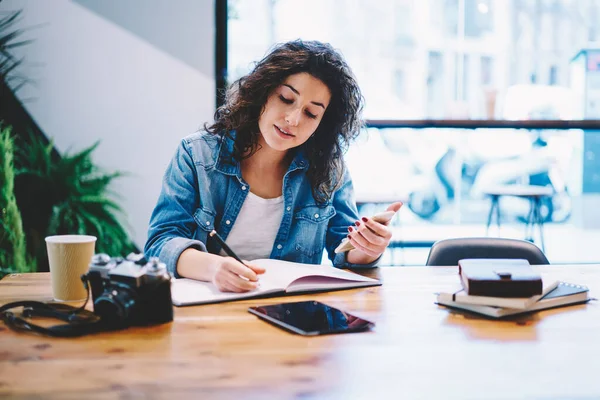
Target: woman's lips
x=283, y=133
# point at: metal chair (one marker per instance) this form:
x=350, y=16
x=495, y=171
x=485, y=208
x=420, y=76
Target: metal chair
x=449, y=251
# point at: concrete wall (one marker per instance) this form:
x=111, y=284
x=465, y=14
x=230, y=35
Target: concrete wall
x=136, y=74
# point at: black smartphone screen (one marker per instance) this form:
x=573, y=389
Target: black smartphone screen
x=311, y=318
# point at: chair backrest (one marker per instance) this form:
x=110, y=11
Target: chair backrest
x=449, y=251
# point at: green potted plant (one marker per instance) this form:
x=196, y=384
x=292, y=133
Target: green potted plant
x=13, y=256
x=67, y=195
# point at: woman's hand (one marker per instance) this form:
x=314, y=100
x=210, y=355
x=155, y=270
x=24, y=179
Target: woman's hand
x=232, y=276
x=227, y=274
x=369, y=238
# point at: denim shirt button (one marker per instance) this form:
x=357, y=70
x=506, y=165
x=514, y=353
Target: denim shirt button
x=243, y=187
x=289, y=208
x=228, y=222
x=279, y=246
x=207, y=223
x=316, y=215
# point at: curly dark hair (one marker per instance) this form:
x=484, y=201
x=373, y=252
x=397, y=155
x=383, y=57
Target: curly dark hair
x=245, y=100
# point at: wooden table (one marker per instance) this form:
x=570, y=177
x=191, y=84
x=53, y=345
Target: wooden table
x=417, y=350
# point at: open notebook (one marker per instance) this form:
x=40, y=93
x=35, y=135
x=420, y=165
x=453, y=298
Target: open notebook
x=281, y=277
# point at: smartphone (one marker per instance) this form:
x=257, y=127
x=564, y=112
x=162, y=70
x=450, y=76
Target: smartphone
x=311, y=318
x=382, y=218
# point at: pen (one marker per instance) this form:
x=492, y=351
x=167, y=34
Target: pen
x=227, y=249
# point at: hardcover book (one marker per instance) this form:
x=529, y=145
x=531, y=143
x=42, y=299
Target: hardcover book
x=563, y=295
x=460, y=296
x=499, y=277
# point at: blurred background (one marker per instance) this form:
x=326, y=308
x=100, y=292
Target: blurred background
x=467, y=101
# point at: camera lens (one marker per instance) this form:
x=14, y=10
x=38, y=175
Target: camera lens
x=114, y=306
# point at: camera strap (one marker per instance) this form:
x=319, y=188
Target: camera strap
x=80, y=322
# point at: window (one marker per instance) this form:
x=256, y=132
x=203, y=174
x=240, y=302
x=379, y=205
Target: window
x=487, y=65
x=450, y=52
x=458, y=59
x=399, y=84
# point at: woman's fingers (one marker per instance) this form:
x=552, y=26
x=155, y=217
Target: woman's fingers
x=362, y=244
x=226, y=287
x=257, y=269
x=220, y=281
x=372, y=237
x=240, y=269
x=374, y=232
x=240, y=284
x=229, y=282
x=233, y=276
x=369, y=236
x=394, y=206
x=379, y=229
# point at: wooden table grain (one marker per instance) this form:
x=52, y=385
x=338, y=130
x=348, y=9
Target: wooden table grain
x=418, y=350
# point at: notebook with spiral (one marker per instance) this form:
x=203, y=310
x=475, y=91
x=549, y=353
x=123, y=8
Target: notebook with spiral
x=564, y=294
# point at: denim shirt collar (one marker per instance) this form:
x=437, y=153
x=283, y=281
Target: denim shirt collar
x=229, y=166
x=225, y=161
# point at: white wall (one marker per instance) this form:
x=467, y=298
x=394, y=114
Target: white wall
x=138, y=75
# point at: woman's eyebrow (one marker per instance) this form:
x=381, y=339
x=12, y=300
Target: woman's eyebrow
x=293, y=89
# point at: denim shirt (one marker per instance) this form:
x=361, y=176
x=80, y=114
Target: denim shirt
x=203, y=189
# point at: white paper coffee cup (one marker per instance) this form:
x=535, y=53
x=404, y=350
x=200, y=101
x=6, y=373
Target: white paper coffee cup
x=69, y=257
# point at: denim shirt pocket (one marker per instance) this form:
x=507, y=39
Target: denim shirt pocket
x=205, y=219
x=311, y=228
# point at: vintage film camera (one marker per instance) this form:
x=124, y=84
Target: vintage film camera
x=131, y=291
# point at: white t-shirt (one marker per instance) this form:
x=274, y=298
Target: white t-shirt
x=253, y=234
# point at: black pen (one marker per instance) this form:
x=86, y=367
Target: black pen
x=227, y=249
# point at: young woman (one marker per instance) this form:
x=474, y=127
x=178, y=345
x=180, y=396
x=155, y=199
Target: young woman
x=268, y=175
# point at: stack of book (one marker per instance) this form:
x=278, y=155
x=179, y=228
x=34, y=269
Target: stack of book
x=501, y=287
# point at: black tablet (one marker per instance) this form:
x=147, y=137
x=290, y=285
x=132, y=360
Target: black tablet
x=311, y=318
